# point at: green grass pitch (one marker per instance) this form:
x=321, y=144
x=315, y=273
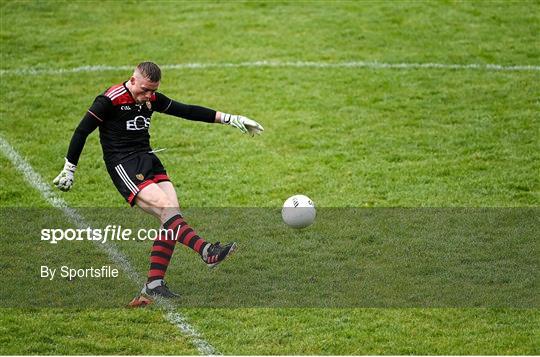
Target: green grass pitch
x=364, y=137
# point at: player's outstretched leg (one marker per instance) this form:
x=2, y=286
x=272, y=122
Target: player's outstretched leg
x=211, y=254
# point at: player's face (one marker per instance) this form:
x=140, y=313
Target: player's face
x=142, y=89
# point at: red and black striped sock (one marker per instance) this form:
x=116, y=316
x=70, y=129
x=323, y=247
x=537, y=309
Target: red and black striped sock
x=162, y=251
x=184, y=234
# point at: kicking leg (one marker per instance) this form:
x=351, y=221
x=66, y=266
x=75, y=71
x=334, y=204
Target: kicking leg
x=161, y=202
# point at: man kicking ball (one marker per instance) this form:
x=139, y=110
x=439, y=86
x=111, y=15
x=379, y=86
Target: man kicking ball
x=123, y=113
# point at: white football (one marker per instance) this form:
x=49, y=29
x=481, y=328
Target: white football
x=298, y=211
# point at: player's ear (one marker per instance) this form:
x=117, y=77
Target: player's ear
x=132, y=80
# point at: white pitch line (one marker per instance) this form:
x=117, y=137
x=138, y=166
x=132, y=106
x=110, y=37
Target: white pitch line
x=271, y=64
x=36, y=181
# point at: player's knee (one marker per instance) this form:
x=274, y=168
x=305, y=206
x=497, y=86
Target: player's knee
x=162, y=202
x=157, y=202
x=165, y=207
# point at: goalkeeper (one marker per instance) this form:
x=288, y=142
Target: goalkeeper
x=123, y=115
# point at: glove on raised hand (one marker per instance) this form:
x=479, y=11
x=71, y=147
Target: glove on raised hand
x=64, y=180
x=245, y=124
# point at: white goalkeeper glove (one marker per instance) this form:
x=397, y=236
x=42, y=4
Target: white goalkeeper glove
x=245, y=125
x=64, y=180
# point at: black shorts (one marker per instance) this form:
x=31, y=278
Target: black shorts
x=134, y=174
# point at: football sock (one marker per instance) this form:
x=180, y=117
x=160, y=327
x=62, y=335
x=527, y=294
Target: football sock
x=184, y=234
x=162, y=251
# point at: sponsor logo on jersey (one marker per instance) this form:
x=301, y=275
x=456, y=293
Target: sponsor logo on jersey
x=138, y=123
x=125, y=107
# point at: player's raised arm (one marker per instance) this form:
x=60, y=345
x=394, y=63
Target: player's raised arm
x=89, y=123
x=198, y=113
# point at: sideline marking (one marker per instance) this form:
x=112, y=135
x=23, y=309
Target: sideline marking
x=270, y=64
x=36, y=181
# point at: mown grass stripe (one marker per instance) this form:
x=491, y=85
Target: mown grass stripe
x=293, y=64
x=36, y=181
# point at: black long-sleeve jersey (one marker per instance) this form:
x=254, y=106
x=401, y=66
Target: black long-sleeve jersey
x=124, y=124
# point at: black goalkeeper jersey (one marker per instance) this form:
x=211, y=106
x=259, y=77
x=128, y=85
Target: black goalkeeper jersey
x=124, y=125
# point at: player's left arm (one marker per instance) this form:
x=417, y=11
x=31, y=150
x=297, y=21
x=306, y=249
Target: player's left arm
x=194, y=112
